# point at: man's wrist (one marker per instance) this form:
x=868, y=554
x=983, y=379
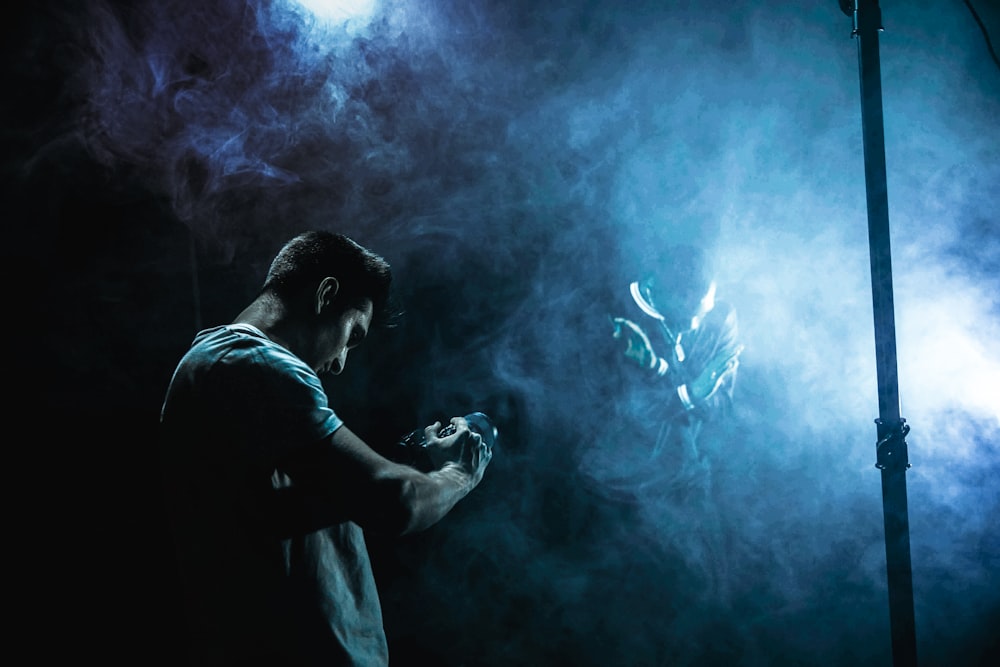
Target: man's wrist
x=658, y=365
x=682, y=393
x=455, y=474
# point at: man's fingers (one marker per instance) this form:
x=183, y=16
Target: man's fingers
x=432, y=430
x=620, y=323
x=481, y=452
x=485, y=450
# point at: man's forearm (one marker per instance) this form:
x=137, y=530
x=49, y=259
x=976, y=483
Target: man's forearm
x=410, y=500
x=431, y=496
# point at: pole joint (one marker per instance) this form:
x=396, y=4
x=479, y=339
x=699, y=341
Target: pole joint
x=890, y=450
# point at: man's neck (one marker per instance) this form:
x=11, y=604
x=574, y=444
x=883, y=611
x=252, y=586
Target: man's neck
x=270, y=316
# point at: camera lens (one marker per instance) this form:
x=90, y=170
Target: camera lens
x=480, y=423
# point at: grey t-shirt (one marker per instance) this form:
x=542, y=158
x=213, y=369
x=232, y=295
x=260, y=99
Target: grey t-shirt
x=261, y=584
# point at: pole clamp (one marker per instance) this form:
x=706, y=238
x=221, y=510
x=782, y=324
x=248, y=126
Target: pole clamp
x=890, y=449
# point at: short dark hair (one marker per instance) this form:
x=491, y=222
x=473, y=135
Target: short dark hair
x=307, y=258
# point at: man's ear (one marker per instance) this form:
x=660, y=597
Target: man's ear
x=326, y=292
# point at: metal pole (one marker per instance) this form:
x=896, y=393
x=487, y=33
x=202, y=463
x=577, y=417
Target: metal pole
x=891, y=452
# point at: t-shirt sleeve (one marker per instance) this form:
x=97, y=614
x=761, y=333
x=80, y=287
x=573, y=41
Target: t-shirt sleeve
x=277, y=401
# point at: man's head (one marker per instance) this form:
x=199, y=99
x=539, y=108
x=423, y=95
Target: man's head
x=677, y=282
x=333, y=290
x=307, y=259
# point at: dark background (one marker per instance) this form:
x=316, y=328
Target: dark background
x=513, y=160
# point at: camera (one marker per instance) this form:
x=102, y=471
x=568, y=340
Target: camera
x=416, y=451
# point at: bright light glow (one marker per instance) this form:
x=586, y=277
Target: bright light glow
x=340, y=10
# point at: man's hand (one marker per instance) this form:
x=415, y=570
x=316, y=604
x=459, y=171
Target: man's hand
x=638, y=348
x=476, y=455
x=722, y=366
x=461, y=447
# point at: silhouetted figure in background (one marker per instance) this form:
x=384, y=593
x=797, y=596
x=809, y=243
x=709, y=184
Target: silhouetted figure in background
x=684, y=344
x=269, y=491
x=677, y=354
x=673, y=355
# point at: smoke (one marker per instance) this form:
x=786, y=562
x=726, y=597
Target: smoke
x=751, y=148
x=513, y=161
x=263, y=113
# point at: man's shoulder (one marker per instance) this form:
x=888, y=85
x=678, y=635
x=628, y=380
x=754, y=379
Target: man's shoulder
x=229, y=339
x=245, y=349
x=229, y=334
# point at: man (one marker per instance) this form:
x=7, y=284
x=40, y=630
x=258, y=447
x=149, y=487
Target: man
x=669, y=371
x=270, y=492
x=692, y=365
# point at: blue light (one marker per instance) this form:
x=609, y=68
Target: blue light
x=340, y=10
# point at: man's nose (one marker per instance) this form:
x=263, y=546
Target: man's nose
x=338, y=363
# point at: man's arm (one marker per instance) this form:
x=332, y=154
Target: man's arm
x=716, y=347
x=342, y=478
x=403, y=499
x=719, y=347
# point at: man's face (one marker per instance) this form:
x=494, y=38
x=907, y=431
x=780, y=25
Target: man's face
x=338, y=335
